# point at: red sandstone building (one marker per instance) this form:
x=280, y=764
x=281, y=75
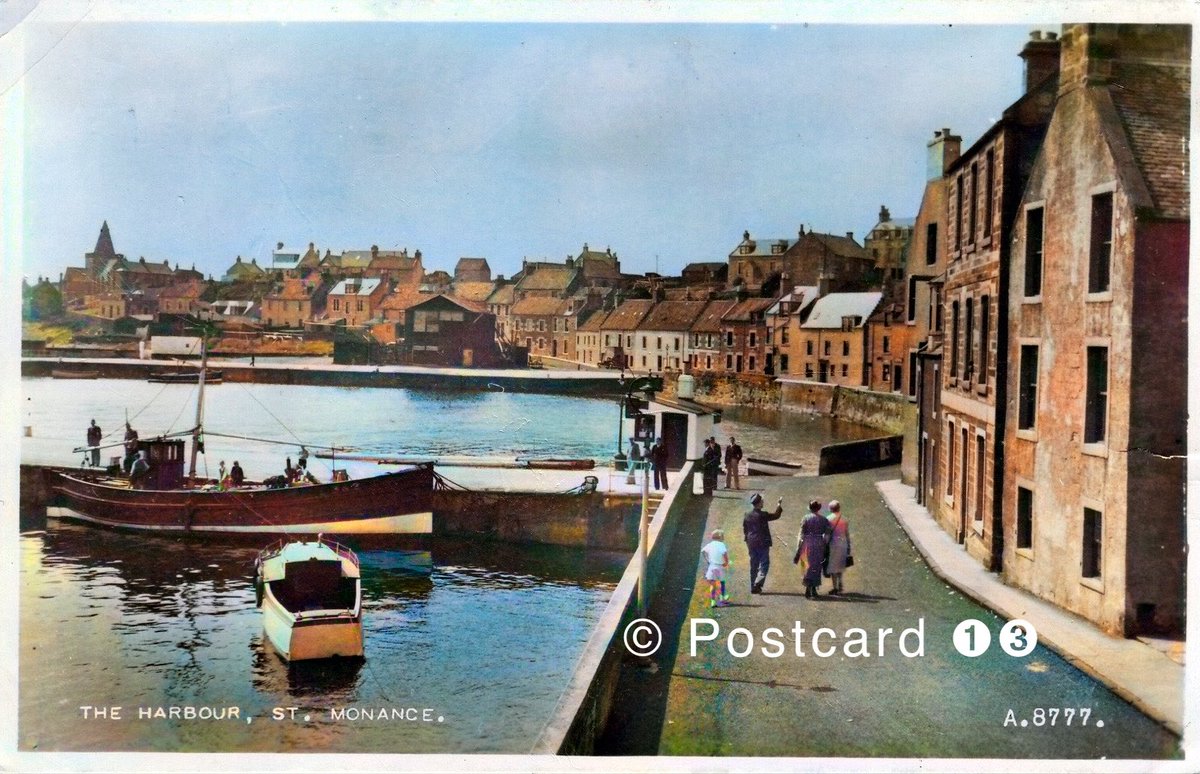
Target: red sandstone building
x=1094, y=480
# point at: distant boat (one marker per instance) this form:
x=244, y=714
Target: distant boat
x=62, y=373
x=185, y=377
x=310, y=593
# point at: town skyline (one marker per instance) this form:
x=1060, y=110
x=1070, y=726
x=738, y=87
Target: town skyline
x=197, y=161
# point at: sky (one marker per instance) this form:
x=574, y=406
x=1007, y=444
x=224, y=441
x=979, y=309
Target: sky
x=200, y=142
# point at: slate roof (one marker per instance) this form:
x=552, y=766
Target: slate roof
x=628, y=315
x=536, y=306
x=829, y=310
x=502, y=295
x=802, y=295
x=1153, y=103
x=741, y=311
x=595, y=322
x=709, y=320
x=673, y=316
x=142, y=266
x=840, y=245
x=761, y=248
x=364, y=287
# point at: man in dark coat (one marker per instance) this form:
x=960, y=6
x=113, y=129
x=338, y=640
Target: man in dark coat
x=757, y=531
x=93, y=437
x=658, y=458
x=131, y=448
x=733, y=460
x=236, y=476
x=712, y=464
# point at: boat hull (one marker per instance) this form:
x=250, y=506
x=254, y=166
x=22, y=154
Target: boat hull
x=307, y=640
x=391, y=503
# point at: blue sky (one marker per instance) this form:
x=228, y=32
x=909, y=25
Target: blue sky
x=201, y=142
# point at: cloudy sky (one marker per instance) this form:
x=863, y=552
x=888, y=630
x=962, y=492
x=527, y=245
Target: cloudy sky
x=201, y=142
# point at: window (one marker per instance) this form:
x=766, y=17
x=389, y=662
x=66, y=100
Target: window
x=845, y=348
x=753, y=338
x=337, y=304
x=1096, y=411
x=969, y=342
x=808, y=370
x=729, y=362
x=931, y=251
x=751, y=363
x=885, y=372
x=980, y=459
x=887, y=344
x=962, y=502
x=935, y=299
x=729, y=338
x=676, y=343
x=827, y=349
x=1034, y=237
x=954, y=339
x=708, y=362
x=958, y=213
x=988, y=182
x=973, y=206
x=985, y=325
x=783, y=364
x=1092, y=534
x=643, y=361
x=658, y=345
x=950, y=462
x=1101, y=248
x=1027, y=391
x=784, y=336
x=808, y=347
x=1024, y=518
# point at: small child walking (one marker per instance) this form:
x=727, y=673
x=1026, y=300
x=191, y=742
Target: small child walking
x=716, y=553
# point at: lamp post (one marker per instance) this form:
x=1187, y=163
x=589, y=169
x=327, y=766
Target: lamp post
x=619, y=456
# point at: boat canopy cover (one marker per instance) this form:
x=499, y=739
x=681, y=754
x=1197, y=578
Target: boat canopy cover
x=275, y=567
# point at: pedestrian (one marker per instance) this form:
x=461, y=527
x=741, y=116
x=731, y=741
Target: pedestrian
x=711, y=465
x=222, y=483
x=810, y=548
x=236, y=476
x=252, y=360
x=131, y=448
x=93, y=440
x=733, y=460
x=717, y=555
x=757, y=532
x=840, y=555
x=658, y=458
x=139, y=470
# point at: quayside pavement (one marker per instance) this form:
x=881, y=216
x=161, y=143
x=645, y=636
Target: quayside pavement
x=937, y=703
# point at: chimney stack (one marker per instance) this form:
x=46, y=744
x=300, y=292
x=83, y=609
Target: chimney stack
x=943, y=150
x=884, y=215
x=1041, y=55
x=850, y=235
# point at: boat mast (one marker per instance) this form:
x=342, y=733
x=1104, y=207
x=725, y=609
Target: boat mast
x=196, y=431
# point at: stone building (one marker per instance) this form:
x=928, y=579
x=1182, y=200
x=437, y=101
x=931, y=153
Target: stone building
x=240, y=271
x=355, y=300
x=661, y=342
x=830, y=343
x=779, y=336
x=744, y=336
x=499, y=302
x=394, y=267
x=755, y=262
x=887, y=344
x=887, y=243
x=183, y=298
x=706, y=335
x=472, y=270
x=984, y=186
x=546, y=279
x=292, y=303
x=925, y=275
x=619, y=328
x=589, y=348
x=533, y=320
x=1094, y=481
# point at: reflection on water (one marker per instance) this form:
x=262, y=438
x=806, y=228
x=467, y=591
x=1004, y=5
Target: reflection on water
x=785, y=436
x=484, y=636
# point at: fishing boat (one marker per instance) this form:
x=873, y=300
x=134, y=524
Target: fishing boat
x=64, y=373
x=166, y=500
x=310, y=593
x=185, y=377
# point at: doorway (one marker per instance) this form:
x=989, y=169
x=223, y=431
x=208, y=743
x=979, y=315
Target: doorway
x=675, y=432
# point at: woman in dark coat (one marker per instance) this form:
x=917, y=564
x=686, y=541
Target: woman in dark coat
x=810, y=548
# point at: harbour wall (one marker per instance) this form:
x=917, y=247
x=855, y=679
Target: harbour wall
x=584, y=706
x=595, y=520
x=557, y=382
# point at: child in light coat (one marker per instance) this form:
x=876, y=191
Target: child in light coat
x=716, y=553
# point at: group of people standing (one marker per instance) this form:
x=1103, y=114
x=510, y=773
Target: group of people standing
x=711, y=464
x=822, y=548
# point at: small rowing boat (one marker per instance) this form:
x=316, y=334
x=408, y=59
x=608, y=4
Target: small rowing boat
x=310, y=593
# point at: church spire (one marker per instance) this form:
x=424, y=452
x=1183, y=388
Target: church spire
x=104, y=244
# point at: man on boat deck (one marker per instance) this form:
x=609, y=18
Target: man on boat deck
x=137, y=473
x=93, y=437
x=131, y=447
x=236, y=476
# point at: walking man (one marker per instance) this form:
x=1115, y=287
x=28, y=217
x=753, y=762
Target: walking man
x=733, y=460
x=757, y=532
x=93, y=437
x=658, y=458
x=711, y=465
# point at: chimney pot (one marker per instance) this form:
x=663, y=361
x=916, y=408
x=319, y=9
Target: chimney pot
x=279, y=245
x=850, y=235
x=1035, y=35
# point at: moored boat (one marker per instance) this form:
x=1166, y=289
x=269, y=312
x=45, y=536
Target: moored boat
x=161, y=498
x=185, y=377
x=310, y=592
x=64, y=373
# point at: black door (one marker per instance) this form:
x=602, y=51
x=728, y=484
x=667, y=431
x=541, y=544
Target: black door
x=675, y=434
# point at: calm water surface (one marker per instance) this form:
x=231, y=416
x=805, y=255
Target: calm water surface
x=486, y=641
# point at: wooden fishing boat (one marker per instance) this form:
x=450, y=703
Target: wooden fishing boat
x=185, y=377
x=63, y=373
x=551, y=463
x=165, y=500
x=310, y=593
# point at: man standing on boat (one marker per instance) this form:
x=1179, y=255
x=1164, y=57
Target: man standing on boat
x=137, y=473
x=236, y=476
x=93, y=439
x=131, y=447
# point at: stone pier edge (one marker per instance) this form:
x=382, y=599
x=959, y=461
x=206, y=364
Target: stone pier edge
x=582, y=710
